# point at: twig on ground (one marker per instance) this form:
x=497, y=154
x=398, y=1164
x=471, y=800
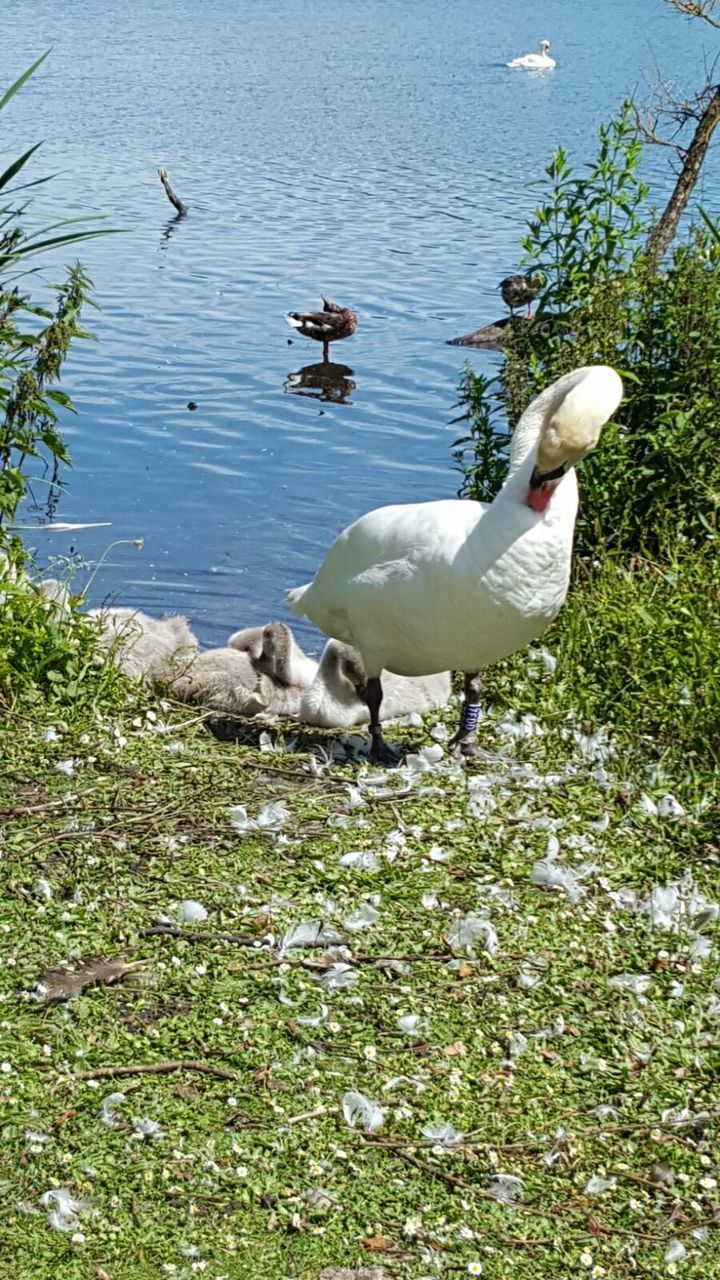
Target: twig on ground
x=190, y=935
x=156, y=1069
x=306, y=1115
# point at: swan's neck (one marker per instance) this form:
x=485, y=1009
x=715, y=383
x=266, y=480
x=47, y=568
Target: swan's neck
x=523, y=456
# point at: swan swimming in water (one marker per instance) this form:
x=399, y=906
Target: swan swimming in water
x=540, y=61
x=455, y=585
x=335, y=698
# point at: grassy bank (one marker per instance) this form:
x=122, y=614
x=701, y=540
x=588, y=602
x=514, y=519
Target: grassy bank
x=543, y=1057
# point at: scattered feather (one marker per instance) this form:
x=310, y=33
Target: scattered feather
x=466, y=932
x=339, y=977
x=506, y=1188
x=58, y=983
x=361, y=1111
x=190, y=912
x=443, y=1133
x=109, y=1106
x=271, y=818
x=64, y=1208
x=411, y=1024
x=549, y=874
x=361, y=860
x=144, y=1127
x=636, y=983
x=596, y=1185
x=669, y=807
x=308, y=933
x=363, y=917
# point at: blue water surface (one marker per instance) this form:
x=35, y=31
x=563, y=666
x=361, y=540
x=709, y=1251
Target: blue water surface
x=376, y=150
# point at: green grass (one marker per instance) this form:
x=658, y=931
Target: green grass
x=260, y=1175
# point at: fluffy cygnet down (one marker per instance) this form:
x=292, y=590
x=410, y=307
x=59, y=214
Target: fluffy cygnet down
x=285, y=670
x=335, y=697
x=224, y=680
x=145, y=648
x=56, y=594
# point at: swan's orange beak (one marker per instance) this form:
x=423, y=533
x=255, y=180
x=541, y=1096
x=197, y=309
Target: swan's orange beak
x=542, y=487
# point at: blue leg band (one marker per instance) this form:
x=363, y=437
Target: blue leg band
x=470, y=717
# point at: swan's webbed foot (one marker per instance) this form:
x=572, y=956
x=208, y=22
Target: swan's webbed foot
x=469, y=749
x=382, y=753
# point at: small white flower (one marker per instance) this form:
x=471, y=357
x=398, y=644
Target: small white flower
x=411, y=1227
x=241, y=1171
x=586, y=1258
x=708, y=1183
x=370, y=1052
x=6, y=1068
x=475, y=1268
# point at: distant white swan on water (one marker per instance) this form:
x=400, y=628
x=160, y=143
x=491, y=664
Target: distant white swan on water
x=539, y=61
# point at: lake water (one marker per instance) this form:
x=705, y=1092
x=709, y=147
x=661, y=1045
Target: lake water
x=375, y=150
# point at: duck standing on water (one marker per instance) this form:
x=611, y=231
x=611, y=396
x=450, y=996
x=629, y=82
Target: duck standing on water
x=520, y=291
x=326, y=326
x=540, y=61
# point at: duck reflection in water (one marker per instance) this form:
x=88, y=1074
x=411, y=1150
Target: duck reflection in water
x=323, y=381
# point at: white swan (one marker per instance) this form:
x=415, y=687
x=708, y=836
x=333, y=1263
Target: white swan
x=456, y=585
x=540, y=61
x=145, y=648
x=335, y=699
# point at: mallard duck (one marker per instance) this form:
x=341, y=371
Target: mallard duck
x=326, y=326
x=540, y=61
x=456, y=585
x=520, y=291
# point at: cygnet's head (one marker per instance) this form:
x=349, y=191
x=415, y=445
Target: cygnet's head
x=342, y=670
x=544, y=47
x=277, y=652
x=578, y=406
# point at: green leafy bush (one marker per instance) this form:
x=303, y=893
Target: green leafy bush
x=656, y=473
x=48, y=651
x=34, y=340
x=638, y=640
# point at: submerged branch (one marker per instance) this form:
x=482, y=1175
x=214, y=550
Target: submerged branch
x=175, y=201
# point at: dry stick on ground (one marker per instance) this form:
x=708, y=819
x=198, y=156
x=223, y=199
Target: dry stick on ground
x=171, y=931
x=175, y=201
x=156, y=1069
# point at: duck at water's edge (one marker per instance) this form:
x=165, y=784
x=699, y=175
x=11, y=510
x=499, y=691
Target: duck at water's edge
x=520, y=291
x=457, y=585
x=326, y=326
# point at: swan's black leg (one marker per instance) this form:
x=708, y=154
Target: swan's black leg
x=380, y=752
x=464, y=739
